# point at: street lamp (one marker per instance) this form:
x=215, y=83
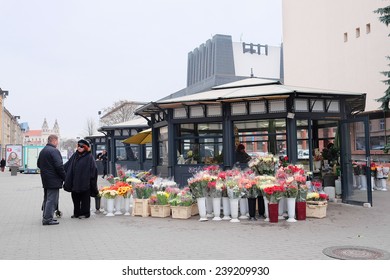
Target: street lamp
x=4, y=94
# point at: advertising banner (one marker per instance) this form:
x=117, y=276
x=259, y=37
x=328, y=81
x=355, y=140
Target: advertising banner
x=13, y=155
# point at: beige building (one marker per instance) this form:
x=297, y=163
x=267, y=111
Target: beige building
x=336, y=44
x=10, y=129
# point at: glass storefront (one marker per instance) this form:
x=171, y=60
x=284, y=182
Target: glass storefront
x=199, y=143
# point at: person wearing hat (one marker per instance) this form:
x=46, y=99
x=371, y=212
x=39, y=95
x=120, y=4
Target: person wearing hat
x=241, y=155
x=81, y=179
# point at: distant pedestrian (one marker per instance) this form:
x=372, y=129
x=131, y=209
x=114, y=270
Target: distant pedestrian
x=81, y=179
x=2, y=164
x=52, y=176
x=103, y=157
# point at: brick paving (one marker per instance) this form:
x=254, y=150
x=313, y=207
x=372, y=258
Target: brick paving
x=133, y=238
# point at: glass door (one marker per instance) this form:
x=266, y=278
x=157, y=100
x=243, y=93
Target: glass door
x=355, y=161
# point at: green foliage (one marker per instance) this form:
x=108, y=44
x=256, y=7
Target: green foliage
x=385, y=18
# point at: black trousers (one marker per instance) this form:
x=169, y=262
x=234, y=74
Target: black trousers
x=260, y=205
x=81, y=204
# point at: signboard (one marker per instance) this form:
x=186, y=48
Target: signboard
x=13, y=155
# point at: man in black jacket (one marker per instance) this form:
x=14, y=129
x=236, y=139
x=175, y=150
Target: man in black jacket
x=52, y=176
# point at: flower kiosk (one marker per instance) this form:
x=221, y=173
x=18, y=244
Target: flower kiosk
x=267, y=117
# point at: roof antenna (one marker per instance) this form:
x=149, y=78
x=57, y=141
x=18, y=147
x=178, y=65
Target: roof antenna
x=252, y=73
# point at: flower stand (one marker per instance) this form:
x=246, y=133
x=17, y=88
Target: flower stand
x=266, y=202
x=103, y=205
x=300, y=210
x=316, y=209
x=141, y=207
x=181, y=212
x=282, y=208
x=194, y=209
x=317, y=165
x=126, y=206
x=363, y=182
x=118, y=204
x=226, y=209
x=243, y=209
x=291, y=209
x=201, y=201
x=234, y=210
x=160, y=211
x=110, y=207
x=252, y=207
x=273, y=212
x=217, y=209
x=209, y=207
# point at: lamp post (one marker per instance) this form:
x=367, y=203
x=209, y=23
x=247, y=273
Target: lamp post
x=4, y=94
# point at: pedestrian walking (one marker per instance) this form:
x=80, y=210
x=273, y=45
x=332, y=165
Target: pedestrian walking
x=81, y=179
x=52, y=176
x=2, y=164
x=103, y=157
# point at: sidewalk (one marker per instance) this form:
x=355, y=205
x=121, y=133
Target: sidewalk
x=127, y=238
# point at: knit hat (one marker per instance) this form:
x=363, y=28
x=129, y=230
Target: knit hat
x=240, y=147
x=84, y=142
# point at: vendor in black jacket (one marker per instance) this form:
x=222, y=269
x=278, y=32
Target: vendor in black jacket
x=81, y=179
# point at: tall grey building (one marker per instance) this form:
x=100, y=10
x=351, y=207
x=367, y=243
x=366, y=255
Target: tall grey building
x=220, y=61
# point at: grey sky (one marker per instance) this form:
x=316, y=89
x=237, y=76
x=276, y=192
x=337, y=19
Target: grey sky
x=68, y=59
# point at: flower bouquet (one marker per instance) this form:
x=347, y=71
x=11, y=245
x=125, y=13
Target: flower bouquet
x=124, y=189
x=248, y=185
x=233, y=189
x=143, y=190
x=183, y=198
x=109, y=192
x=274, y=193
x=314, y=196
x=263, y=165
x=291, y=190
x=181, y=205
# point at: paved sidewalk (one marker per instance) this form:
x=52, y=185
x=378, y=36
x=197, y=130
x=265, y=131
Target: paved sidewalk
x=126, y=238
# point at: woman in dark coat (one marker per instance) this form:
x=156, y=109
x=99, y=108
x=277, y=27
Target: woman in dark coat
x=81, y=179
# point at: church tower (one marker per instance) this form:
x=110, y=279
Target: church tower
x=56, y=129
x=45, y=127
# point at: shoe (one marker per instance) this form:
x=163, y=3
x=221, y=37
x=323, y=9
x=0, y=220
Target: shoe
x=74, y=217
x=50, y=223
x=83, y=217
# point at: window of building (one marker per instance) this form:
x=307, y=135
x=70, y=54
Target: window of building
x=345, y=37
x=199, y=143
x=262, y=137
x=382, y=124
x=163, y=145
x=368, y=28
x=126, y=152
x=357, y=32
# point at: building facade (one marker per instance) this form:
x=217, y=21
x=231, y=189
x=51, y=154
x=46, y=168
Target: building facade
x=39, y=137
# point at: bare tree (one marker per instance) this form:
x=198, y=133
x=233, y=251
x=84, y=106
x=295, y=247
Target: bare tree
x=120, y=111
x=90, y=128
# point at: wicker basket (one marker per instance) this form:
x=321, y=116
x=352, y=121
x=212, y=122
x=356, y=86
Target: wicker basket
x=194, y=210
x=160, y=211
x=181, y=212
x=316, y=209
x=141, y=207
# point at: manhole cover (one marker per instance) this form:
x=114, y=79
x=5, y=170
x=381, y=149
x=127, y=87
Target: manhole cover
x=356, y=253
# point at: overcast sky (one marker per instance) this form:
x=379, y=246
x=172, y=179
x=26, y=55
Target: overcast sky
x=68, y=59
